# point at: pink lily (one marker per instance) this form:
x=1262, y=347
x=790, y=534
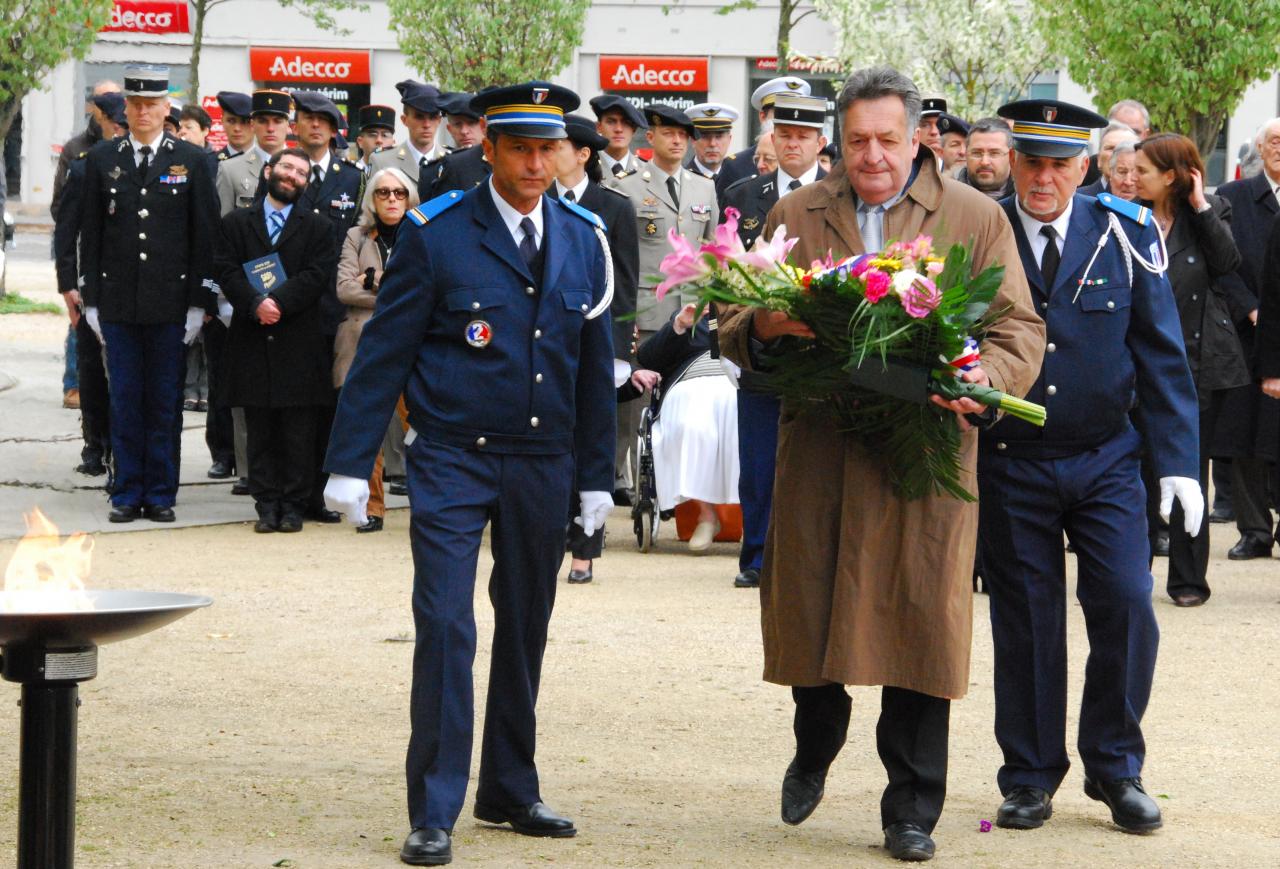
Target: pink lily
x=766, y=255
x=682, y=266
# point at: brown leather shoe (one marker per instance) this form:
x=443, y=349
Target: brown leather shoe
x=71, y=399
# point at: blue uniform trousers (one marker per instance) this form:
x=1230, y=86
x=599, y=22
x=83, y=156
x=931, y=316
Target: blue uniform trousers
x=145, y=367
x=757, y=456
x=1098, y=498
x=453, y=494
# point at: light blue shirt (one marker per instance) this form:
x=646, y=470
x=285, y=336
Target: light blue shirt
x=268, y=210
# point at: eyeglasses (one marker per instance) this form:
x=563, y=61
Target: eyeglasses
x=385, y=193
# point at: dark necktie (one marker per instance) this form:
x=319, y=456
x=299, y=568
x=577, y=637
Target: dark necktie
x=528, y=246
x=1051, y=257
x=617, y=168
x=569, y=197
x=794, y=185
x=145, y=151
x=422, y=164
x=674, y=189
x=276, y=222
x=316, y=179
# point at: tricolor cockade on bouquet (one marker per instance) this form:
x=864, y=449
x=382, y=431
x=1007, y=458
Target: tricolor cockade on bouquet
x=891, y=328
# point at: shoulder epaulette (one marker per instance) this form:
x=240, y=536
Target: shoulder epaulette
x=621, y=193
x=1139, y=214
x=429, y=210
x=740, y=182
x=625, y=173
x=589, y=216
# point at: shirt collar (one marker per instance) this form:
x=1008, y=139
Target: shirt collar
x=324, y=164
x=419, y=156
x=889, y=203
x=269, y=209
x=609, y=160
x=512, y=218
x=807, y=177
x=704, y=170
x=138, y=145
x=1031, y=225
x=578, y=189
x=261, y=152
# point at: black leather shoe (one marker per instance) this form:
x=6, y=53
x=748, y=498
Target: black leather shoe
x=1025, y=808
x=240, y=487
x=1187, y=600
x=324, y=516
x=534, y=819
x=1131, y=808
x=290, y=523
x=907, y=841
x=801, y=793
x=624, y=497
x=1222, y=515
x=1161, y=549
x=427, y=846
x=374, y=523
x=124, y=514
x=579, y=577
x=1248, y=548
x=749, y=578
x=398, y=489
x=159, y=514
x=221, y=471
x=266, y=525
x=91, y=467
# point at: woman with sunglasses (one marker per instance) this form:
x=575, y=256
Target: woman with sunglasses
x=387, y=198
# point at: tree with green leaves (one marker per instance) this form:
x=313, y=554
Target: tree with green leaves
x=35, y=37
x=979, y=54
x=319, y=11
x=468, y=44
x=790, y=14
x=1188, y=61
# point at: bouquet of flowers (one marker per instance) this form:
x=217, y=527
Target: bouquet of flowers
x=890, y=329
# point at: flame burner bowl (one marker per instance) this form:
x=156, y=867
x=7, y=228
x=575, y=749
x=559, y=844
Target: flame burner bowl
x=50, y=654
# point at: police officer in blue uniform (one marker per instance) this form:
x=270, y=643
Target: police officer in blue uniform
x=492, y=319
x=149, y=211
x=1114, y=346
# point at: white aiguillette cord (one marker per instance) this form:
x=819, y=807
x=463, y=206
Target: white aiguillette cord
x=607, y=298
x=1130, y=254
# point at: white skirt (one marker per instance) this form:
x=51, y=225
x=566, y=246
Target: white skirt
x=695, y=443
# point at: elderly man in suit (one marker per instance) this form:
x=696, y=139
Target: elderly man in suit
x=148, y=213
x=421, y=119
x=860, y=586
x=1252, y=423
x=491, y=318
x=275, y=363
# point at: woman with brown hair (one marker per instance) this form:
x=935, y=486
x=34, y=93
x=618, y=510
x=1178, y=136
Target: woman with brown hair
x=1197, y=236
x=387, y=198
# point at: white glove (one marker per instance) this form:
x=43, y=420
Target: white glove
x=409, y=437
x=91, y=317
x=195, y=319
x=225, y=311
x=347, y=495
x=1188, y=493
x=595, y=509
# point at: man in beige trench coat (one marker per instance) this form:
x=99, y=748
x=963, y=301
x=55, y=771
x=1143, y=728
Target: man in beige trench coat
x=859, y=586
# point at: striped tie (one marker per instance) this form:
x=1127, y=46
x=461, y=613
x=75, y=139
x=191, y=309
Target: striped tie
x=276, y=221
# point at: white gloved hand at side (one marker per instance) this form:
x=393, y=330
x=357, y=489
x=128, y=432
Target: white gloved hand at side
x=595, y=509
x=225, y=311
x=349, y=496
x=91, y=317
x=195, y=320
x=1188, y=493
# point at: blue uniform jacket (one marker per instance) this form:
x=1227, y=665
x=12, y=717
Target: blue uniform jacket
x=1117, y=348
x=543, y=384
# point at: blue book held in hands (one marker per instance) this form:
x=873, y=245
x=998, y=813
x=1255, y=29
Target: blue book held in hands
x=265, y=273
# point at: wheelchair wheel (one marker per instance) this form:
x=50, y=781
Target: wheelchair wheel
x=646, y=528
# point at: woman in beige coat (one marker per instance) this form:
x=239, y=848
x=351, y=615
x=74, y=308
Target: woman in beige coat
x=387, y=197
x=860, y=587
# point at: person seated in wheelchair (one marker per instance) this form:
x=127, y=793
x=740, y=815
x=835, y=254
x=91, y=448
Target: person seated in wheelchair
x=695, y=423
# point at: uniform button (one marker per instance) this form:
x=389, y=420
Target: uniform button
x=1111, y=306
x=584, y=307
x=537, y=333
x=1051, y=390
x=144, y=214
x=1191, y=259
x=271, y=337
x=475, y=306
x=537, y=378
x=1044, y=306
x=316, y=210
x=1195, y=297
x=481, y=442
x=1195, y=335
x=142, y=236
x=1052, y=348
x=143, y=256
x=1002, y=446
x=534, y=422
x=143, y=191
x=529, y=291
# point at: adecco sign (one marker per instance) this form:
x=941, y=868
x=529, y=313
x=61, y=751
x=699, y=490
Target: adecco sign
x=636, y=73
x=137, y=16
x=308, y=65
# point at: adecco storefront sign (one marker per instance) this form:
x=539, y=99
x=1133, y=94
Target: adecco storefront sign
x=141, y=16
x=309, y=65
x=637, y=73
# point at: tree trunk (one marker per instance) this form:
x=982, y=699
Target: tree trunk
x=785, y=8
x=1205, y=130
x=8, y=111
x=197, y=42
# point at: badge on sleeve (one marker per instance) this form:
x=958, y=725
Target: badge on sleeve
x=479, y=334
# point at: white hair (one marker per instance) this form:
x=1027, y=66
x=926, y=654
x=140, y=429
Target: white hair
x=367, y=214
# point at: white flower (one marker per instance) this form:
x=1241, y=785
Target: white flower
x=903, y=280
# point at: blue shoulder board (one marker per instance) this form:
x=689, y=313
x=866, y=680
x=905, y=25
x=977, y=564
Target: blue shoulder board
x=589, y=216
x=434, y=208
x=1137, y=213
